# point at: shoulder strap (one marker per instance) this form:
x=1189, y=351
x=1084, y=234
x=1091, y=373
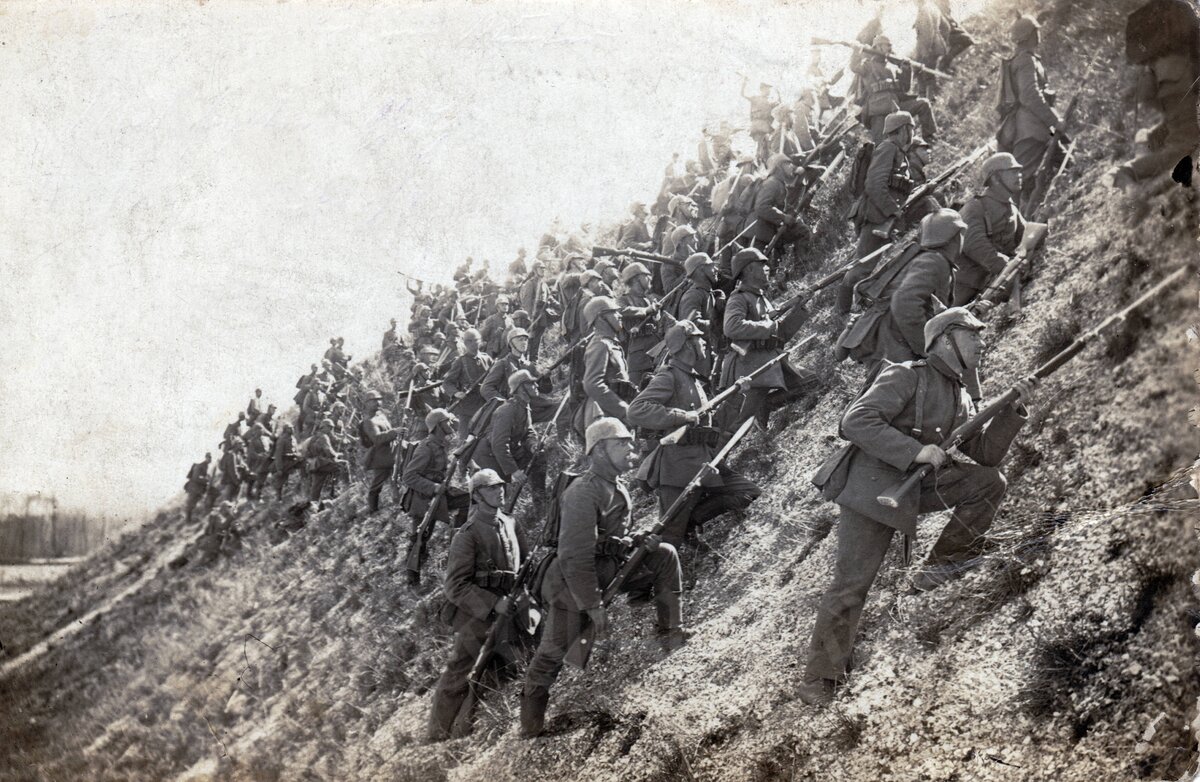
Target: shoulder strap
x=919, y=413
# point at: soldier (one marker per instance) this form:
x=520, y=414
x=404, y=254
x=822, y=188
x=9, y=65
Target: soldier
x=425, y=471
x=286, y=458
x=634, y=234
x=322, y=459
x=378, y=437
x=994, y=228
x=254, y=408
x=337, y=357
x=920, y=155
x=899, y=422
x=536, y=299
x=461, y=385
x=605, y=370
x=492, y=331
x=495, y=380
x=770, y=207
x=234, y=430
x=683, y=242
x=608, y=273
x=304, y=383
x=784, y=139
x=592, y=545
x=233, y=469
x=883, y=88
x=671, y=400
x=958, y=40
x=699, y=300
x=507, y=445
x=1028, y=119
x=638, y=309
x=196, y=486
x=517, y=269
x=734, y=209
x=880, y=210
x=933, y=43
x=258, y=460
x=761, y=108
x=894, y=327
x=267, y=420
x=481, y=568
x=312, y=407
x=755, y=338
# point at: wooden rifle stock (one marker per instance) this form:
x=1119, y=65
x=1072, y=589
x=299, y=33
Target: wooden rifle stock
x=416, y=550
x=892, y=58
x=893, y=496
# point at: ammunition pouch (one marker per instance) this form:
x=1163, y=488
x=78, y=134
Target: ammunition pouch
x=500, y=581
x=624, y=389
x=612, y=548
x=901, y=183
x=701, y=435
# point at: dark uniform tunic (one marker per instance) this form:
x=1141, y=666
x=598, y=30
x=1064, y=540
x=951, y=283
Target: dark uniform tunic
x=994, y=230
x=673, y=391
x=605, y=380
x=466, y=372
x=485, y=555
x=595, y=513
x=508, y=444
x=423, y=473
x=883, y=426
x=637, y=310
x=381, y=456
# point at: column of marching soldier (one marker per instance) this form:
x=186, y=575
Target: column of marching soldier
x=673, y=349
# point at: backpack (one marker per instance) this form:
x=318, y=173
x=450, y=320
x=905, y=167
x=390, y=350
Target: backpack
x=549, y=537
x=743, y=200
x=858, y=169
x=873, y=287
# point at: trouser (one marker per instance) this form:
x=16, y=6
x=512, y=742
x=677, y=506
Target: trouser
x=454, y=683
x=922, y=112
x=972, y=491
x=1030, y=153
x=379, y=478
x=317, y=484
x=535, y=340
x=232, y=490
x=659, y=570
x=192, y=499
x=283, y=471
x=706, y=503
x=958, y=42
x=760, y=402
x=964, y=294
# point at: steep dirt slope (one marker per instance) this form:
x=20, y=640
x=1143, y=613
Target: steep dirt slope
x=304, y=657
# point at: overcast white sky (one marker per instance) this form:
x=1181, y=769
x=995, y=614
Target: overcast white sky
x=196, y=197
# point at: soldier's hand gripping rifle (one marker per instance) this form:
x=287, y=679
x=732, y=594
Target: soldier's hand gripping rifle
x=1031, y=240
x=894, y=59
x=932, y=186
x=581, y=650
x=423, y=531
x=408, y=414
x=602, y=252
x=676, y=435
x=538, y=446
x=657, y=307
x=895, y=495
x=566, y=356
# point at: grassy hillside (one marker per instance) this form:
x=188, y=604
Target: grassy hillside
x=305, y=656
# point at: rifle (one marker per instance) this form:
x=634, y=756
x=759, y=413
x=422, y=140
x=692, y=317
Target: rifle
x=1035, y=234
x=809, y=193
x=1044, y=186
x=782, y=308
x=602, y=252
x=657, y=306
x=894, y=59
x=471, y=388
x=740, y=234
x=408, y=418
x=893, y=496
x=676, y=435
x=581, y=649
x=518, y=487
x=566, y=356
x=931, y=186
x=423, y=531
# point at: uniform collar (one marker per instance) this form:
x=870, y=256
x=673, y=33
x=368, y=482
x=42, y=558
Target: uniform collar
x=996, y=192
x=742, y=286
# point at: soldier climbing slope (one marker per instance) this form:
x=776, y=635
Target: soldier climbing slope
x=196, y=487
x=591, y=544
x=379, y=438
x=899, y=422
x=994, y=227
x=673, y=399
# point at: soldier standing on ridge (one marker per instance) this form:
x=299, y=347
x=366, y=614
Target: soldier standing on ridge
x=425, y=471
x=883, y=89
x=761, y=108
x=897, y=423
x=507, y=445
x=286, y=458
x=633, y=234
x=254, y=408
x=770, y=208
x=605, y=369
x=461, y=385
x=637, y=307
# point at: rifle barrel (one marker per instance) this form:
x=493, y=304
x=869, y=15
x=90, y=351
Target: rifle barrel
x=969, y=428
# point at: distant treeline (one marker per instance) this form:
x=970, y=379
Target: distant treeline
x=67, y=534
